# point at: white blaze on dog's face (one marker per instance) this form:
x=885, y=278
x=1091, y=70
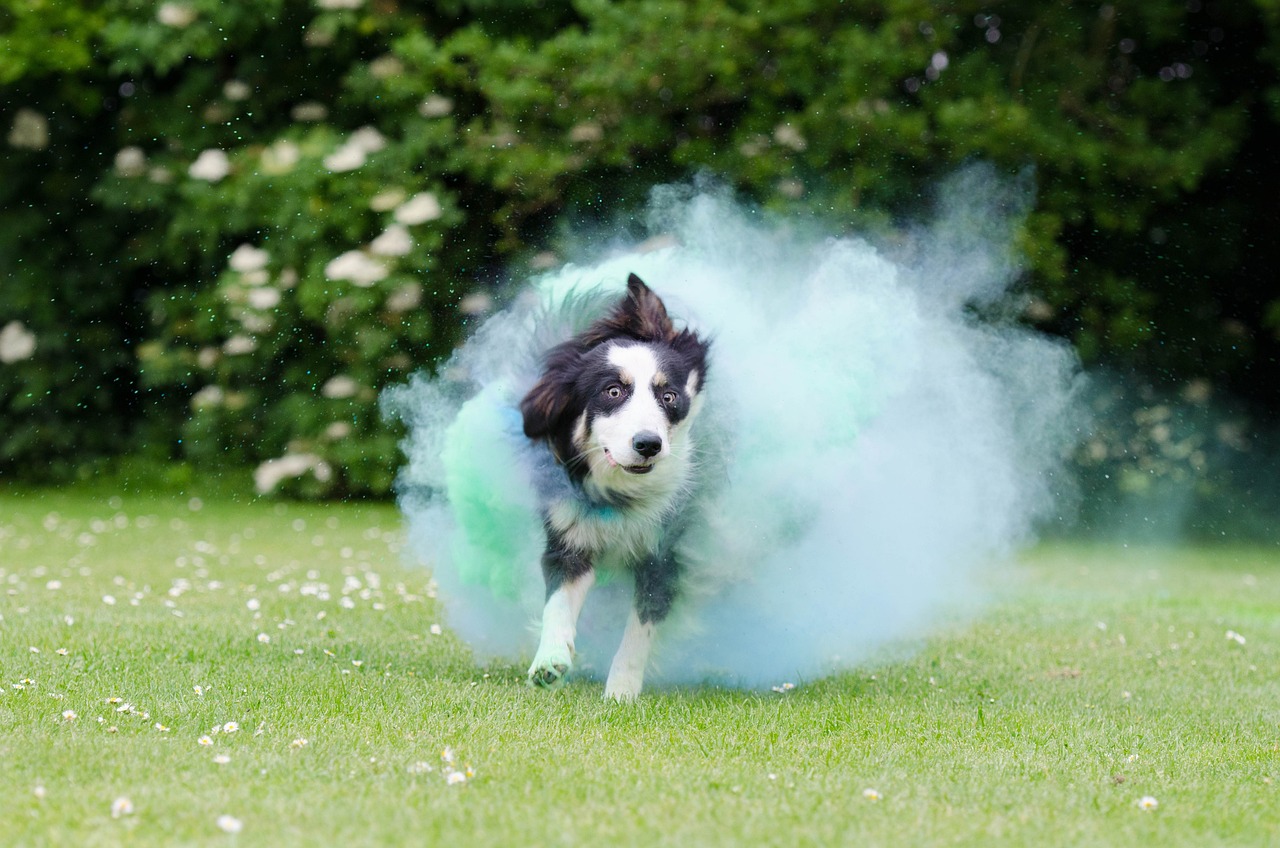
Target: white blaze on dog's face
x=641, y=395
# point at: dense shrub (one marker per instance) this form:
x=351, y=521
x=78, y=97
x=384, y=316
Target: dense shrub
x=228, y=226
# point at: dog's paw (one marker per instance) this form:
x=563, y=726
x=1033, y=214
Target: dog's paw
x=550, y=668
x=623, y=686
x=548, y=676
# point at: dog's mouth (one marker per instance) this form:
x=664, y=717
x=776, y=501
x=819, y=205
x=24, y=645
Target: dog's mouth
x=642, y=468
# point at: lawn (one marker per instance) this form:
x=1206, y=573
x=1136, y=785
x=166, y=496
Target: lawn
x=187, y=672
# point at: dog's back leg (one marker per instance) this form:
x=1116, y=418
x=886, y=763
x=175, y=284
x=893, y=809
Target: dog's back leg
x=569, y=576
x=656, y=578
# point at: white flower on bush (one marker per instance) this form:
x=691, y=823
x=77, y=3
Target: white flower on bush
x=236, y=90
x=339, y=4
x=208, y=357
x=419, y=209
x=177, y=15
x=207, y=397
x=338, y=430
x=273, y=472
x=239, y=345
x=16, y=342
x=211, y=165
x=247, y=258
x=357, y=267
x=435, y=106
x=394, y=241
x=386, y=200
x=340, y=387
x=280, y=156
x=408, y=296
x=264, y=298
x=310, y=111
x=30, y=130
x=348, y=157
x=131, y=162
x=353, y=153
x=368, y=139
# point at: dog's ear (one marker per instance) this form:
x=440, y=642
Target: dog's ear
x=547, y=404
x=644, y=314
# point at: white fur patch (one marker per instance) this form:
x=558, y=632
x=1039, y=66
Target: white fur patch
x=640, y=414
x=560, y=623
x=626, y=673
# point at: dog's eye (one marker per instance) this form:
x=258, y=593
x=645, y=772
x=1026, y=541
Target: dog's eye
x=614, y=391
x=669, y=398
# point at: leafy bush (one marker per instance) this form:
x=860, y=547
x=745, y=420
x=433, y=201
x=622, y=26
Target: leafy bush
x=230, y=225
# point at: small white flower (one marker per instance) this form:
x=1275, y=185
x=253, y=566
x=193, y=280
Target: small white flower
x=109, y=600
x=231, y=726
x=310, y=111
x=394, y=241
x=30, y=130
x=871, y=795
x=435, y=106
x=357, y=267
x=247, y=258
x=208, y=397
x=405, y=298
x=264, y=638
x=1235, y=637
x=455, y=777
x=239, y=345
x=264, y=298
x=176, y=15
x=271, y=473
x=253, y=604
x=340, y=387
x=229, y=824
x=367, y=139
x=131, y=162
x=211, y=166
x=280, y=156
x=121, y=807
x=419, y=209
x=221, y=759
x=338, y=430
x=436, y=630
x=206, y=740
x=69, y=715
x=16, y=343
x=348, y=157
x=1146, y=802
x=299, y=743
x=339, y=4
x=199, y=690
x=236, y=90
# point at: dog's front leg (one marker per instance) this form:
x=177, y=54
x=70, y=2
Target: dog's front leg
x=656, y=578
x=569, y=576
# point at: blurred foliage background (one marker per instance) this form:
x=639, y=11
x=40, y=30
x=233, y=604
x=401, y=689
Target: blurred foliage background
x=226, y=226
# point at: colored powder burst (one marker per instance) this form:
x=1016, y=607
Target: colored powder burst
x=870, y=443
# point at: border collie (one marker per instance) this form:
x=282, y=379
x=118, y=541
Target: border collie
x=615, y=405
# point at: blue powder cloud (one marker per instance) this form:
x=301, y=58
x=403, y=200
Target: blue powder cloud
x=872, y=444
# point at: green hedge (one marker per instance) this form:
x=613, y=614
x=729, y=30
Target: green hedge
x=229, y=225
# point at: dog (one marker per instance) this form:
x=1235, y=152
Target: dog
x=615, y=405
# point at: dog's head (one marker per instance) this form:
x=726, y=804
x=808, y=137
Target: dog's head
x=614, y=400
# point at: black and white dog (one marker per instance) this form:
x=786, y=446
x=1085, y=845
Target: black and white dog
x=615, y=404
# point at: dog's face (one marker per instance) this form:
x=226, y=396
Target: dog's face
x=614, y=401
x=634, y=396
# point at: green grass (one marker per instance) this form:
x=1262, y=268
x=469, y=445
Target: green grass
x=1097, y=676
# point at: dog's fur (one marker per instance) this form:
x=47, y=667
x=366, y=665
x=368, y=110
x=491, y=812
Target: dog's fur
x=615, y=404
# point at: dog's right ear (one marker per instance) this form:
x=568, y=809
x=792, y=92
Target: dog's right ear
x=545, y=406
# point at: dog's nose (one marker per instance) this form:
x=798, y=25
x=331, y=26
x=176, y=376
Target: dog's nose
x=647, y=444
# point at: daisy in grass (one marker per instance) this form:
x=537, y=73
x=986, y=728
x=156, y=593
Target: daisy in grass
x=121, y=807
x=871, y=795
x=1146, y=802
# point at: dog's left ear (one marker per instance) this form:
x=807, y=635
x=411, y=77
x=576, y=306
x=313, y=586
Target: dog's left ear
x=643, y=313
